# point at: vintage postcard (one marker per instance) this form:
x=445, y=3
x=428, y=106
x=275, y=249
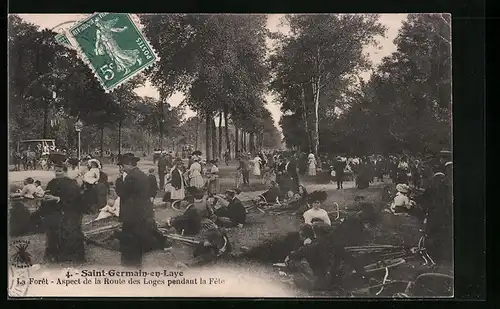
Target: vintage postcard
x=230, y=155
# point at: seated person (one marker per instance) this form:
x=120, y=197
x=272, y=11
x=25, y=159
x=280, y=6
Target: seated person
x=189, y=223
x=272, y=194
x=214, y=245
x=299, y=200
x=316, y=213
x=232, y=212
x=306, y=236
x=29, y=188
x=39, y=192
x=402, y=202
x=327, y=251
x=112, y=209
x=309, y=263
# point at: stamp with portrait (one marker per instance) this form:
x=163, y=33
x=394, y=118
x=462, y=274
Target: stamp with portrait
x=112, y=45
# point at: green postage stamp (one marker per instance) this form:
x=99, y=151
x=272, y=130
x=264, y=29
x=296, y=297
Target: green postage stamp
x=113, y=46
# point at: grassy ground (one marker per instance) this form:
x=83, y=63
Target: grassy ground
x=261, y=228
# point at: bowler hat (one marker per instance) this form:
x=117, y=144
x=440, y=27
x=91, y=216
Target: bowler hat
x=127, y=159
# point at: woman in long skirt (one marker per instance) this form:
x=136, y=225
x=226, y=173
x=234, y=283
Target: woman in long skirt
x=256, y=165
x=177, y=183
x=195, y=178
x=213, y=180
x=311, y=165
x=62, y=217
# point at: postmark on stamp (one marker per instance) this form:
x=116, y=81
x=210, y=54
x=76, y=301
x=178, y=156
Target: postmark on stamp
x=113, y=46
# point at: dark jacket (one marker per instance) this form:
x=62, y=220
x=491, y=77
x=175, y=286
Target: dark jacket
x=236, y=211
x=324, y=253
x=153, y=185
x=189, y=221
x=162, y=163
x=220, y=246
x=292, y=169
x=135, y=205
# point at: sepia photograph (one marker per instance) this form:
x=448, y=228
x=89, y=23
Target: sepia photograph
x=230, y=155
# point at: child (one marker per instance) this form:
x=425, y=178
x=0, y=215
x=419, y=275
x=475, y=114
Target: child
x=39, y=190
x=153, y=185
x=29, y=188
x=111, y=209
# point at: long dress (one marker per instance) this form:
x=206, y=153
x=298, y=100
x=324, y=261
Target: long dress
x=195, y=178
x=63, y=222
x=213, y=180
x=179, y=193
x=311, y=171
x=256, y=166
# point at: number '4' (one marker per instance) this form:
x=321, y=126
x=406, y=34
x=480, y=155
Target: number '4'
x=107, y=71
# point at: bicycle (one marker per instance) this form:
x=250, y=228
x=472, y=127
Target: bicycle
x=380, y=258
x=412, y=288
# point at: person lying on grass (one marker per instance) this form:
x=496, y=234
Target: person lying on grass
x=271, y=196
x=232, y=213
x=308, y=264
x=214, y=245
x=327, y=252
x=316, y=213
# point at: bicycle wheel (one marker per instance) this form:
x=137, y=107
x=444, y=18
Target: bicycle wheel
x=432, y=285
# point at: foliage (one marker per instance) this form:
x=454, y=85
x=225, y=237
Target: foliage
x=320, y=55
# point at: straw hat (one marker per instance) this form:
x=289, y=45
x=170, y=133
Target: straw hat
x=403, y=188
x=96, y=161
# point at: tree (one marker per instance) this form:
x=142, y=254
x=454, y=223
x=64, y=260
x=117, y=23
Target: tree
x=406, y=105
x=321, y=52
x=216, y=60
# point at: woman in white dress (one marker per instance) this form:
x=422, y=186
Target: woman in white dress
x=256, y=165
x=311, y=165
x=195, y=178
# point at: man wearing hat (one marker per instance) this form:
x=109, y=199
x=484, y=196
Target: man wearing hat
x=234, y=214
x=339, y=167
x=439, y=217
x=136, y=211
x=62, y=212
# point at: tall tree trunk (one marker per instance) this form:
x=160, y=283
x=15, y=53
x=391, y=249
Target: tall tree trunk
x=228, y=142
x=196, y=134
x=220, y=136
x=149, y=140
x=46, y=119
x=316, y=90
x=242, y=138
x=253, y=146
x=214, y=140
x=208, y=133
x=236, y=141
x=119, y=137
x=102, y=142
x=304, y=115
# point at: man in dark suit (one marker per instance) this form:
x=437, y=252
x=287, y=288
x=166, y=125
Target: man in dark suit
x=291, y=171
x=136, y=212
x=162, y=170
x=234, y=214
x=245, y=170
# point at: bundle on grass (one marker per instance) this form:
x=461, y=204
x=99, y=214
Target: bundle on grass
x=317, y=195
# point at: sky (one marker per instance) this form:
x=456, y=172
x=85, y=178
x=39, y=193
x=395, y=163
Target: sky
x=392, y=22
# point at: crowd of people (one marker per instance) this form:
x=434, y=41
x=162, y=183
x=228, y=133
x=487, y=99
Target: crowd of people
x=85, y=188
